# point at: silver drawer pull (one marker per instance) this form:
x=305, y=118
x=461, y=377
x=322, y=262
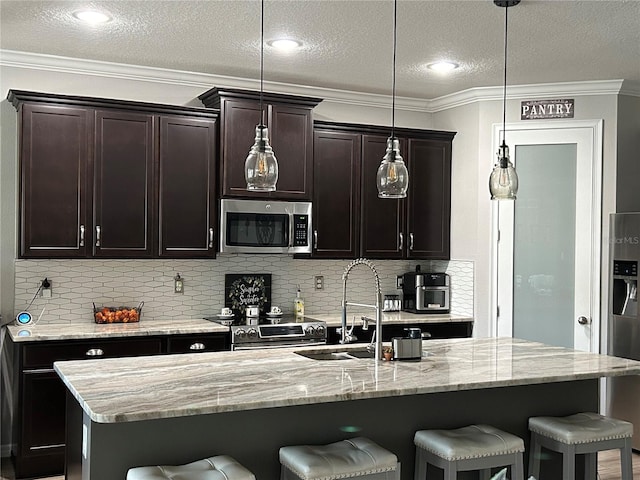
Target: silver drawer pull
x=211, y=238
x=315, y=239
x=82, y=235
x=411, y=241
x=401, y=241
x=197, y=346
x=98, y=231
x=94, y=352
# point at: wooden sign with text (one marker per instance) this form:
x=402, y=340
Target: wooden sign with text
x=538, y=109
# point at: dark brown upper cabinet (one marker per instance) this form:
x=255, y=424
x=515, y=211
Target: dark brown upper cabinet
x=55, y=147
x=336, y=194
x=115, y=179
x=187, y=214
x=123, y=190
x=290, y=122
x=416, y=227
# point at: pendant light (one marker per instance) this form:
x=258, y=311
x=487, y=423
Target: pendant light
x=392, y=179
x=503, y=182
x=261, y=166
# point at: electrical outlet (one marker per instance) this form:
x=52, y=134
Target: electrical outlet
x=319, y=282
x=178, y=284
x=45, y=291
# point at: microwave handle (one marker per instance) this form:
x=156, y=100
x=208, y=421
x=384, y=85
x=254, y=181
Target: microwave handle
x=290, y=230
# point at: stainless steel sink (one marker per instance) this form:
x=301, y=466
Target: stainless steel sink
x=338, y=355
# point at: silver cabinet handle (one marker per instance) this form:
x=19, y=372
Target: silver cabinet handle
x=211, y=238
x=94, y=352
x=411, y=241
x=315, y=239
x=583, y=320
x=82, y=235
x=196, y=346
x=98, y=231
x=401, y=241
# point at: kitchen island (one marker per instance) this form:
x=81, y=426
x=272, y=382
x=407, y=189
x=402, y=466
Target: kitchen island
x=128, y=412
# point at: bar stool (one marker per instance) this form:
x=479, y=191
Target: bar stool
x=583, y=433
x=221, y=467
x=476, y=447
x=355, y=458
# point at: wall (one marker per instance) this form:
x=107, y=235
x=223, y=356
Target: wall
x=628, y=174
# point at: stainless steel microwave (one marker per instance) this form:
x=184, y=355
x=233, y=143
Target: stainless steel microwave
x=264, y=226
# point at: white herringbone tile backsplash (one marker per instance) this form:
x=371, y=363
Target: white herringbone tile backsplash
x=78, y=283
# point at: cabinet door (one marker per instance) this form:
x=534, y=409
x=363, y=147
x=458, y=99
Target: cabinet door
x=291, y=130
x=336, y=194
x=382, y=233
x=41, y=438
x=429, y=199
x=290, y=135
x=239, y=120
x=123, y=185
x=187, y=214
x=54, y=161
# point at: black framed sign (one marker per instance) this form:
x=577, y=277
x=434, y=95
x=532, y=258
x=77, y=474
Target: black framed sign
x=246, y=289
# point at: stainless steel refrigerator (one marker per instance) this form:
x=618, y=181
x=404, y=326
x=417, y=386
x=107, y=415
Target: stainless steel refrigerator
x=623, y=393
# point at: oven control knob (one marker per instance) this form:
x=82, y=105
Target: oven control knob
x=310, y=331
x=252, y=333
x=320, y=331
x=240, y=333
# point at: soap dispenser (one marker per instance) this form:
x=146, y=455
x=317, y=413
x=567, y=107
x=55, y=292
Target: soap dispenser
x=298, y=305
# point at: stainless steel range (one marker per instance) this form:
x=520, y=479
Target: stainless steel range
x=277, y=335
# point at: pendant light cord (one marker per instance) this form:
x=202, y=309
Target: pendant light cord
x=393, y=94
x=504, y=90
x=261, y=61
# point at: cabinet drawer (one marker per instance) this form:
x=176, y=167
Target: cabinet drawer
x=198, y=343
x=42, y=355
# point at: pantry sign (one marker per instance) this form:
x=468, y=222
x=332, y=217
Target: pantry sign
x=538, y=109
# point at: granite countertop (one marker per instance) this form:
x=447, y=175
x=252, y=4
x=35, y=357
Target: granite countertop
x=123, y=390
x=335, y=319
x=89, y=329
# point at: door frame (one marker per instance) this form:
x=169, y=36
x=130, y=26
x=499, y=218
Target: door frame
x=594, y=129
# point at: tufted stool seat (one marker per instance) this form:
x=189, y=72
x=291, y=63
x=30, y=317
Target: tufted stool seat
x=354, y=458
x=476, y=447
x=221, y=467
x=583, y=433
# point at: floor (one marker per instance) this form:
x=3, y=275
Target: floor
x=608, y=467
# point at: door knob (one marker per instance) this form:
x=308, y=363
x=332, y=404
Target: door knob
x=583, y=320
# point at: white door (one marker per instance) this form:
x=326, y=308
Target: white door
x=546, y=261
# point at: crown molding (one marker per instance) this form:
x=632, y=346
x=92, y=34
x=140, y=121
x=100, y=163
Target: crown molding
x=541, y=90
x=630, y=88
x=53, y=63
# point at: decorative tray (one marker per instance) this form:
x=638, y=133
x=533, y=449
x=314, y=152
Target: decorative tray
x=117, y=314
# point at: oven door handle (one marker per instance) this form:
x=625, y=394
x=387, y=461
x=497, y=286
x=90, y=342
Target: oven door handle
x=256, y=346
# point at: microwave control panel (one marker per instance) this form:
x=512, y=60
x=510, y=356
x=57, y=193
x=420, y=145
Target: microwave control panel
x=300, y=230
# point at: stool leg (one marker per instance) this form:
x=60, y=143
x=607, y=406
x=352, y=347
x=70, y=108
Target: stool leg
x=517, y=469
x=420, y=471
x=590, y=465
x=450, y=471
x=535, y=451
x=625, y=460
x=569, y=463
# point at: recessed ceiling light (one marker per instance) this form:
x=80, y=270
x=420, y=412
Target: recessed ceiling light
x=442, y=67
x=92, y=16
x=285, y=44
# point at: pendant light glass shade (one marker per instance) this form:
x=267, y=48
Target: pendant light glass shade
x=261, y=166
x=392, y=178
x=503, y=182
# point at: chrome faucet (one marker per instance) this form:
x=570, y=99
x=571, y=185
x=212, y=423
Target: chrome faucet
x=345, y=337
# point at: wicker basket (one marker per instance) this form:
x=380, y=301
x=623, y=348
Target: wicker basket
x=117, y=314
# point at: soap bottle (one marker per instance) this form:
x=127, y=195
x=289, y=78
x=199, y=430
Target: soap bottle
x=298, y=305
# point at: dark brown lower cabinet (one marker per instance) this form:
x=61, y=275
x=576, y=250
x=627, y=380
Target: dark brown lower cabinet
x=436, y=330
x=41, y=400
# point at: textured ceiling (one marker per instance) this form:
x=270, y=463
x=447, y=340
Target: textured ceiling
x=347, y=44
